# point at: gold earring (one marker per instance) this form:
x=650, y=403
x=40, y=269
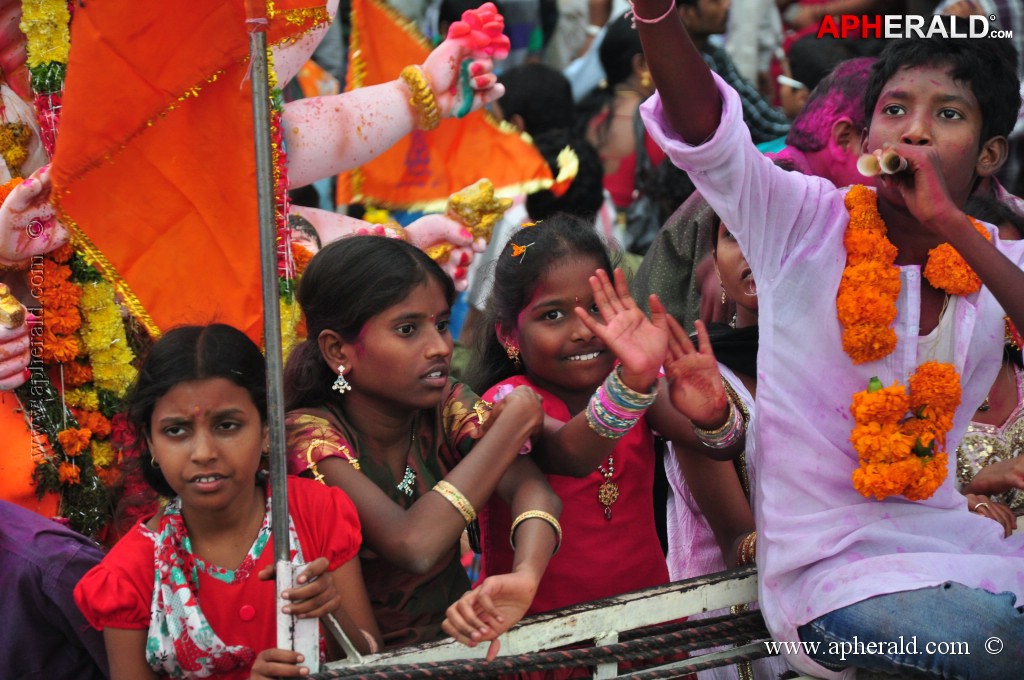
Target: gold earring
x=725, y=298
x=513, y=353
x=645, y=80
x=152, y=460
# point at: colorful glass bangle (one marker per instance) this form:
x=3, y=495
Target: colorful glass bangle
x=730, y=432
x=537, y=514
x=455, y=497
x=423, y=102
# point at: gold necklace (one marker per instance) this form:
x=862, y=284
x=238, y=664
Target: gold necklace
x=608, y=492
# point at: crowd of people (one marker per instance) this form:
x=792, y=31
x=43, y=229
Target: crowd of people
x=712, y=340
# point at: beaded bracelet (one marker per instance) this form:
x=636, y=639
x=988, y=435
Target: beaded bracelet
x=455, y=497
x=747, y=549
x=635, y=18
x=422, y=100
x=614, y=408
x=537, y=514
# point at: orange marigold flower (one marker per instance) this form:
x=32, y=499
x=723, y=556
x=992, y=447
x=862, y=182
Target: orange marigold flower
x=95, y=422
x=877, y=480
x=62, y=254
x=865, y=306
x=937, y=385
x=59, y=348
x=65, y=323
x=69, y=473
x=866, y=342
x=77, y=374
x=947, y=270
x=301, y=257
x=865, y=245
x=880, y=442
x=884, y=277
x=887, y=405
x=928, y=478
x=74, y=441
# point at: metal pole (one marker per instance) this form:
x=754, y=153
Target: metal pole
x=271, y=294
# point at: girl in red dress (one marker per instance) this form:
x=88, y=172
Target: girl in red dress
x=558, y=325
x=207, y=608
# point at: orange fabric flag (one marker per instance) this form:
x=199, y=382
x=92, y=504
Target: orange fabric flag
x=154, y=167
x=424, y=168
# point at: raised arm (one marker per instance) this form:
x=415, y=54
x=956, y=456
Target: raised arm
x=327, y=135
x=417, y=537
x=688, y=94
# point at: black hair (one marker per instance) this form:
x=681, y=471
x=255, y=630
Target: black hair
x=185, y=354
x=554, y=241
x=840, y=93
x=812, y=58
x=301, y=224
x=990, y=209
x=346, y=284
x=988, y=67
x=585, y=194
x=541, y=95
x=621, y=43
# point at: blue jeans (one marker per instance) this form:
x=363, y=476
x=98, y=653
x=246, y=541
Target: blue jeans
x=949, y=631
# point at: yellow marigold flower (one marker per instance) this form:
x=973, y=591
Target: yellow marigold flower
x=887, y=405
x=87, y=400
x=866, y=342
x=74, y=441
x=69, y=473
x=103, y=454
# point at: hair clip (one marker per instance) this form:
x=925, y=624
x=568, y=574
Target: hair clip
x=520, y=251
x=568, y=167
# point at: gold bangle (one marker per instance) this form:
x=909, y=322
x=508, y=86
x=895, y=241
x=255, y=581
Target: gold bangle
x=537, y=514
x=422, y=101
x=455, y=497
x=747, y=549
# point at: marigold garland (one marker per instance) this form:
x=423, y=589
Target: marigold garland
x=899, y=433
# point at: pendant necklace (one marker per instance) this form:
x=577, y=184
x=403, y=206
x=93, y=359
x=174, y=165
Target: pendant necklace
x=408, y=483
x=608, y=492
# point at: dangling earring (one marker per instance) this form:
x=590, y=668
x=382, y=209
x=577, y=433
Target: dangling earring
x=341, y=386
x=513, y=353
x=725, y=298
x=645, y=81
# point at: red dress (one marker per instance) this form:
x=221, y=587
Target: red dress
x=118, y=592
x=598, y=557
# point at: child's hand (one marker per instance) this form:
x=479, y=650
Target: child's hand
x=278, y=663
x=488, y=611
x=639, y=343
x=314, y=594
x=994, y=510
x=525, y=405
x=922, y=185
x=695, y=382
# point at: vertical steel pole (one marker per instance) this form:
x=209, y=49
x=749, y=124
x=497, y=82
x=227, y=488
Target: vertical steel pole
x=271, y=292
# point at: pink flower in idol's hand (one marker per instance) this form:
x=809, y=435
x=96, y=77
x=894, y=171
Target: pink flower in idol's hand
x=483, y=31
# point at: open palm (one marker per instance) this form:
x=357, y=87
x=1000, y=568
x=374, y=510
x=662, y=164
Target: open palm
x=639, y=343
x=695, y=381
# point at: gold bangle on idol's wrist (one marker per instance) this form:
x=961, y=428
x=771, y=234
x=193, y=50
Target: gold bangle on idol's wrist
x=422, y=101
x=455, y=497
x=541, y=515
